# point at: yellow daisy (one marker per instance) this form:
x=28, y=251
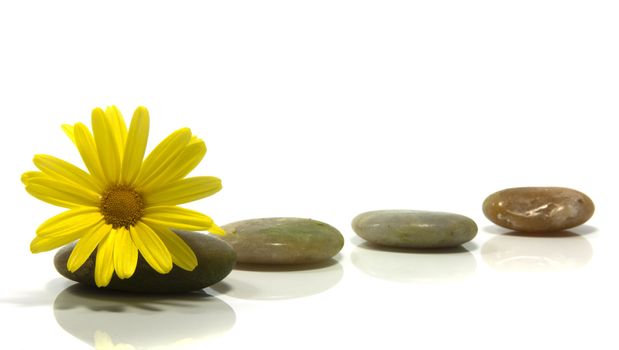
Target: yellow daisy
x=125, y=204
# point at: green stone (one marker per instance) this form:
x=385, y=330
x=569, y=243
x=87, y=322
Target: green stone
x=414, y=228
x=283, y=241
x=215, y=261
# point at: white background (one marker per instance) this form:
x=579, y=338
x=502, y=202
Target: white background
x=326, y=109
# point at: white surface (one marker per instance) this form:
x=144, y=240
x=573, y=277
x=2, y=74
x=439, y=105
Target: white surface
x=325, y=109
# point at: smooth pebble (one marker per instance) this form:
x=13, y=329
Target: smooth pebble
x=414, y=228
x=279, y=241
x=215, y=261
x=538, y=209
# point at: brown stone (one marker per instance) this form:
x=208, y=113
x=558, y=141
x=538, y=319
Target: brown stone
x=538, y=209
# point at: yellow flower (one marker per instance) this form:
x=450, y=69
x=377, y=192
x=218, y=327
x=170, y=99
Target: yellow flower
x=125, y=205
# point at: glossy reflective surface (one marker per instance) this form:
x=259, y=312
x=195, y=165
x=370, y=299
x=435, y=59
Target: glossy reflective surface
x=557, y=251
x=501, y=274
x=275, y=283
x=103, y=319
x=418, y=266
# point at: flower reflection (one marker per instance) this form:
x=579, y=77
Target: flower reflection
x=113, y=320
x=103, y=341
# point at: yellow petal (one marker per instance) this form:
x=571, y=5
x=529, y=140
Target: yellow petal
x=88, y=150
x=119, y=128
x=125, y=254
x=136, y=145
x=104, y=265
x=183, y=191
x=37, y=192
x=107, y=149
x=176, y=217
x=214, y=229
x=182, y=255
x=65, y=171
x=86, y=245
x=61, y=193
x=151, y=247
x=179, y=166
x=69, y=218
x=162, y=155
x=28, y=175
x=68, y=129
x=60, y=238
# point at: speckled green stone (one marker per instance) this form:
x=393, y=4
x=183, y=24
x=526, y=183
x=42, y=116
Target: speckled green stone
x=215, y=261
x=414, y=228
x=283, y=241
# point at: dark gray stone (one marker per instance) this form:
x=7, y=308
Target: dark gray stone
x=215, y=261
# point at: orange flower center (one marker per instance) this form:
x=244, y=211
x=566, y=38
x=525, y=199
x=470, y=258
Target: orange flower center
x=122, y=206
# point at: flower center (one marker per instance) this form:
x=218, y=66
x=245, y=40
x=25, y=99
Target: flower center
x=122, y=206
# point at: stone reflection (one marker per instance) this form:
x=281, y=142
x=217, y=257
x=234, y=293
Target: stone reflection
x=549, y=252
x=280, y=282
x=413, y=265
x=112, y=320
